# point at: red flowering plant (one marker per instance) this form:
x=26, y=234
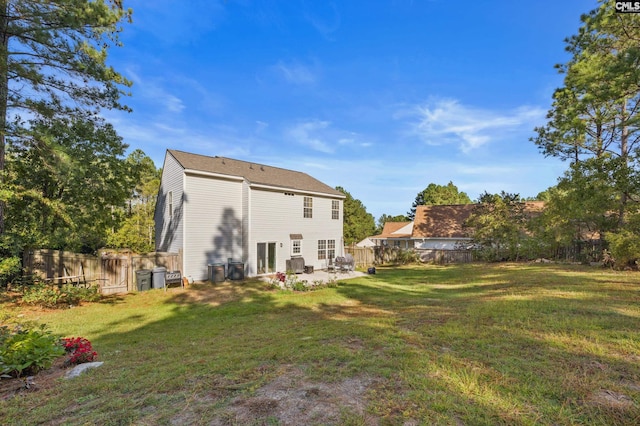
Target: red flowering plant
x=80, y=350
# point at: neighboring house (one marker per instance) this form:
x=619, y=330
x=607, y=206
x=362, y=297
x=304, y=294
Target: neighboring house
x=438, y=227
x=395, y=234
x=216, y=209
x=367, y=242
x=441, y=226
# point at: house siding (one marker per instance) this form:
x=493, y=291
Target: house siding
x=246, y=227
x=169, y=236
x=441, y=243
x=275, y=215
x=213, y=223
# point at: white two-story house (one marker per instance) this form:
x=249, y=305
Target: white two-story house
x=214, y=210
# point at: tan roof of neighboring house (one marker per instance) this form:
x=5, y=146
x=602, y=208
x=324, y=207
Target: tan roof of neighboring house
x=390, y=230
x=441, y=221
x=253, y=172
x=446, y=221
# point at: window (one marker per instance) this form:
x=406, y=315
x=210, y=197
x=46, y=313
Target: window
x=335, y=209
x=326, y=249
x=308, y=207
x=170, y=203
x=322, y=249
x=296, y=247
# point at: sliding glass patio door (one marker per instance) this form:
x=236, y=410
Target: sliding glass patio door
x=266, y=258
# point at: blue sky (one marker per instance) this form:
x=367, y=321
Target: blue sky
x=381, y=97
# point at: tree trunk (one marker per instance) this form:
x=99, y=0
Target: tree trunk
x=624, y=155
x=4, y=96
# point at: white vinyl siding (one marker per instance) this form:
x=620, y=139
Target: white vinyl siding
x=275, y=216
x=213, y=223
x=169, y=228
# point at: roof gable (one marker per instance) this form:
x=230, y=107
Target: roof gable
x=254, y=173
x=441, y=221
x=395, y=230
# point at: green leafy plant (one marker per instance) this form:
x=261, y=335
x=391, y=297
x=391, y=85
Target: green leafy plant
x=10, y=269
x=406, y=257
x=27, y=350
x=625, y=248
x=52, y=296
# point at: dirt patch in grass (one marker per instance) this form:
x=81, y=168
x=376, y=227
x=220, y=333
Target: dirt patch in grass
x=291, y=399
x=612, y=399
x=45, y=379
x=217, y=294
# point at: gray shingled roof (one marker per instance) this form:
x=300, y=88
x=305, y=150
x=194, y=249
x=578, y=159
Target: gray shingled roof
x=254, y=173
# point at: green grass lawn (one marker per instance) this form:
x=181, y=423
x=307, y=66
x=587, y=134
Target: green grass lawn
x=512, y=344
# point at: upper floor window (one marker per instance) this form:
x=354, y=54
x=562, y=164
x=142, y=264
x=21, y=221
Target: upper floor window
x=308, y=207
x=335, y=209
x=170, y=203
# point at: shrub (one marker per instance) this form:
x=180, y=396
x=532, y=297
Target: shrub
x=10, y=269
x=52, y=296
x=625, y=247
x=406, y=257
x=26, y=349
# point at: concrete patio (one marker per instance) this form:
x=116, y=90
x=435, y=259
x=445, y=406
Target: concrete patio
x=325, y=276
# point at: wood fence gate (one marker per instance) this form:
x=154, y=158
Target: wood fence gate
x=113, y=272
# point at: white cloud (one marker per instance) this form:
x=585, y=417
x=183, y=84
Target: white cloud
x=261, y=126
x=153, y=92
x=295, y=73
x=310, y=133
x=325, y=18
x=322, y=136
x=447, y=121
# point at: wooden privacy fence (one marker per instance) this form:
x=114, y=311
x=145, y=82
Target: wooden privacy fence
x=445, y=256
x=113, y=272
x=379, y=255
x=363, y=256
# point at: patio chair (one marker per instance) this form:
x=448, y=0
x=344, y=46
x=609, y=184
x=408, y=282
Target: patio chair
x=331, y=265
x=349, y=261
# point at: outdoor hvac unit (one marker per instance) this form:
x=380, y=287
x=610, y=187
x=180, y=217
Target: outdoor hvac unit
x=236, y=271
x=216, y=272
